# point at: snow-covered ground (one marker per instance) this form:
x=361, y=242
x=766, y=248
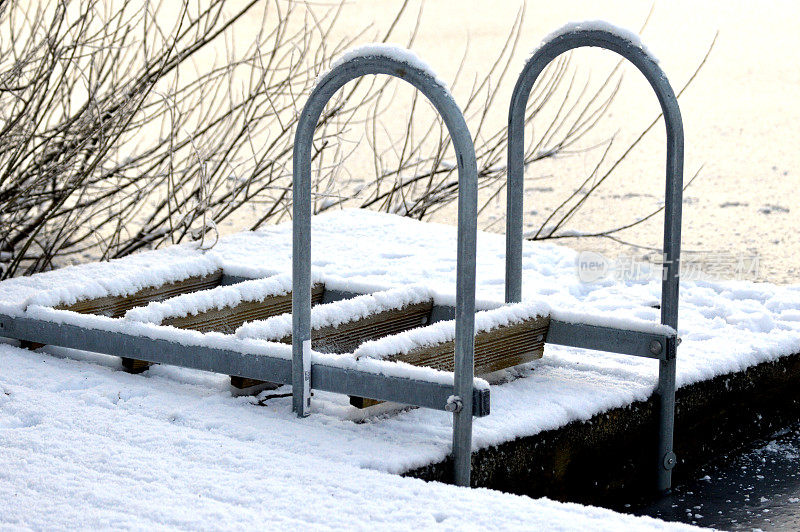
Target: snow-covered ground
x=79, y=438
x=83, y=446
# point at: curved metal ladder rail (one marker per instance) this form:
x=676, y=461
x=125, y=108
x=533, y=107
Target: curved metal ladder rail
x=383, y=62
x=577, y=37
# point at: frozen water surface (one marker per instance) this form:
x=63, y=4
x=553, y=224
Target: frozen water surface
x=759, y=489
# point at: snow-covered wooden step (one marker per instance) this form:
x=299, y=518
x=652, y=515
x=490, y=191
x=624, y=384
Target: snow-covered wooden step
x=116, y=305
x=504, y=337
x=393, y=325
x=224, y=308
x=342, y=326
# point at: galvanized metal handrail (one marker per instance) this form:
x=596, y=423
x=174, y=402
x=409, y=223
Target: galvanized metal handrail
x=387, y=61
x=620, y=42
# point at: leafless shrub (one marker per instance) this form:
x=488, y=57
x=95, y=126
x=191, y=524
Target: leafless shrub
x=128, y=125
x=113, y=137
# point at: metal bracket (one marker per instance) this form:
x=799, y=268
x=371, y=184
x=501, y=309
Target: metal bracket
x=609, y=339
x=671, y=349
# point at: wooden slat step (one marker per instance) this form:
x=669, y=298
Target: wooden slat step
x=228, y=319
x=346, y=337
x=500, y=348
x=117, y=306
x=497, y=349
x=369, y=317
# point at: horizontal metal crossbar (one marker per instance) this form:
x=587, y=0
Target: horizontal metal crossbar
x=571, y=334
x=254, y=366
x=610, y=339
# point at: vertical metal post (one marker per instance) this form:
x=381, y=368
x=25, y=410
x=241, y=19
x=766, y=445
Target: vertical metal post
x=301, y=271
x=576, y=36
x=385, y=60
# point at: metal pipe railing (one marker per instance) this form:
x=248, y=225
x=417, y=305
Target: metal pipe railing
x=619, y=41
x=387, y=60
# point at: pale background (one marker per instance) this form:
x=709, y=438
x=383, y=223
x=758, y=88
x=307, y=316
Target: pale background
x=741, y=117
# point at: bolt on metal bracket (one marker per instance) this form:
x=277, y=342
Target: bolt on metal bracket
x=454, y=404
x=670, y=460
x=655, y=347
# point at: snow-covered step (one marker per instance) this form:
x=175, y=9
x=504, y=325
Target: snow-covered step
x=342, y=326
x=224, y=308
x=395, y=325
x=504, y=337
x=115, y=303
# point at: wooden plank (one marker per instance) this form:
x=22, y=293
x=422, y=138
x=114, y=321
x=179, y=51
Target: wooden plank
x=497, y=349
x=363, y=402
x=500, y=348
x=228, y=319
x=117, y=306
x=346, y=337
x=131, y=365
x=241, y=386
x=244, y=382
